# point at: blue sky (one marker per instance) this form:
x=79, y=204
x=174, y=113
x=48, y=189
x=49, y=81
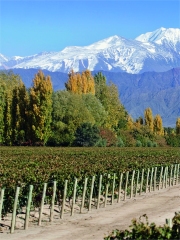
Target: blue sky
x=28, y=27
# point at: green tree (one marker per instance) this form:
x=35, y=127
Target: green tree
x=101, y=88
x=8, y=81
x=95, y=108
x=69, y=112
x=40, y=108
x=109, y=97
x=2, y=106
x=19, y=113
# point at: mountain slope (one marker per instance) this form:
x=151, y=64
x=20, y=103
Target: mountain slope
x=159, y=91
x=153, y=51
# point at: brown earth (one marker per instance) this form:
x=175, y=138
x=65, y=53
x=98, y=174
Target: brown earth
x=96, y=224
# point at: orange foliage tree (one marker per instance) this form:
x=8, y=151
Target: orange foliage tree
x=80, y=83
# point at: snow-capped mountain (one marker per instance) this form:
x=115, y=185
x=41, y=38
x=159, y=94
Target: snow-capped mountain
x=153, y=51
x=170, y=35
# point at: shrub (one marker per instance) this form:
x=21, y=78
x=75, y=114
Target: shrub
x=173, y=141
x=143, y=230
x=109, y=136
x=119, y=142
x=155, y=144
x=138, y=143
x=101, y=143
x=149, y=143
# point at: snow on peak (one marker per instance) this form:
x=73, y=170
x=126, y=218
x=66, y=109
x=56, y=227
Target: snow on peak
x=153, y=51
x=161, y=34
x=16, y=58
x=106, y=43
x=3, y=58
x=95, y=47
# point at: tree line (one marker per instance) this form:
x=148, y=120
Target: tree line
x=87, y=113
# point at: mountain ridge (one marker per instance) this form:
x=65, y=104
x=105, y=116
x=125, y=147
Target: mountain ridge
x=153, y=51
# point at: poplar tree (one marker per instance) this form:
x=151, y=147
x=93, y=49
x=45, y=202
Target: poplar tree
x=148, y=117
x=19, y=113
x=109, y=97
x=101, y=88
x=80, y=83
x=40, y=108
x=130, y=123
x=178, y=126
x=158, y=125
x=2, y=107
x=10, y=82
x=114, y=107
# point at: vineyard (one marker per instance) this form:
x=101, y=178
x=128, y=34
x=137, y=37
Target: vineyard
x=51, y=182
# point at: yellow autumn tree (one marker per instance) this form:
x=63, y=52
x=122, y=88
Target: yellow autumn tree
x=80, y=83
x=40, y=108
x=139, y=123
x=158, y=125
x=178, y=126
x=148, y=117
x=130, y=123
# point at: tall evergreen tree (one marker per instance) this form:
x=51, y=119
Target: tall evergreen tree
x=40, y=108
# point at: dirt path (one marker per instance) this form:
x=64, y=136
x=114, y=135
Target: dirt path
x=96, y=224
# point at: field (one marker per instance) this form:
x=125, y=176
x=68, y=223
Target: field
x=32, y=165
x=95, y=173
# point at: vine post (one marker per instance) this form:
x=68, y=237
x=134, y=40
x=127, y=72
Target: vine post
x=91, y=193
x=126, y=185
x=52, y=201
x=84, y=194
x=14, y=210
x=107, y=188
x=74, y=196
x=137, y=182
x=155, y=176
x=28, y=207
x=132, y=183
x=142, y=179
x=160, y=178
x=99, y=191
x=151, y=179
x=113, y=187
x=42, y=203
x=120, y=187
x=1, y=201
x=147, y=180
x=64, y=199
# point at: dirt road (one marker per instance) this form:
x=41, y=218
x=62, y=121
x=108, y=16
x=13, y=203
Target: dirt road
x=94, y=225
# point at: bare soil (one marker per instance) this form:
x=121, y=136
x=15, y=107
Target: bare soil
x=96, y=224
